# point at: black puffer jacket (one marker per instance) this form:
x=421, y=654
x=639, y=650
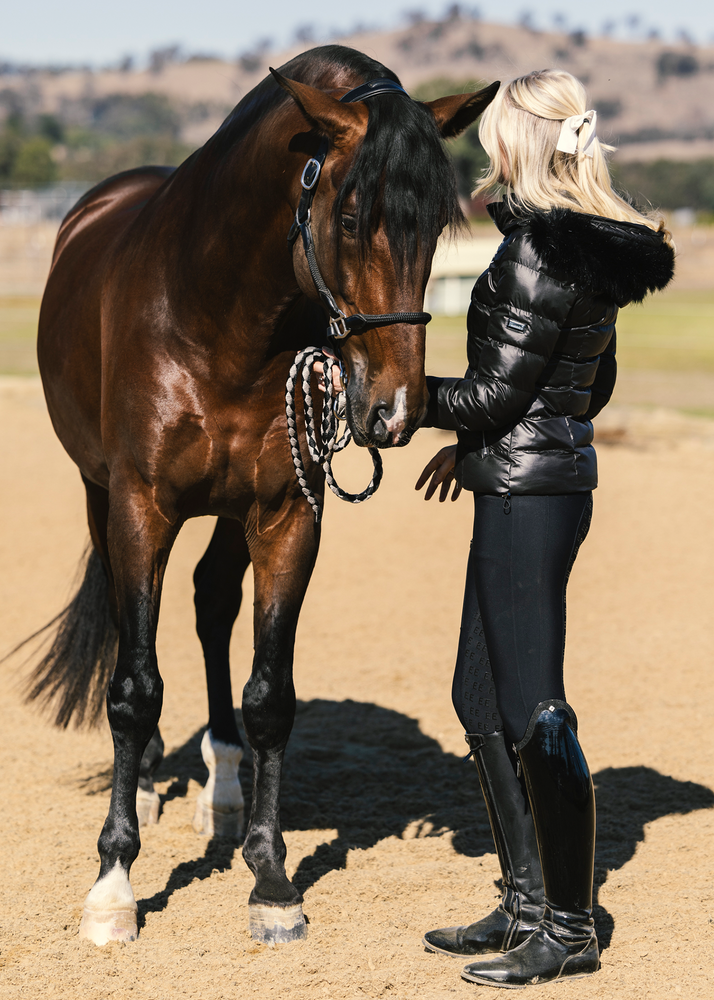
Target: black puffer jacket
x=541, y=349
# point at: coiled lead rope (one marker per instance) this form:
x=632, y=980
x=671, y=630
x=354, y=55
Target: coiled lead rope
x=321, y=453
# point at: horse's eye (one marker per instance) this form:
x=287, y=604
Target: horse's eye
x=349, y=224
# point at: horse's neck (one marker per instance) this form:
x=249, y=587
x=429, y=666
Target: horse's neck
x=234, y=214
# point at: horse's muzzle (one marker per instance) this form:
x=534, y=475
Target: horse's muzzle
x=384, y=426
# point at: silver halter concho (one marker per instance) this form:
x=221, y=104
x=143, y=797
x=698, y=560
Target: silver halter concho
x=340, y=326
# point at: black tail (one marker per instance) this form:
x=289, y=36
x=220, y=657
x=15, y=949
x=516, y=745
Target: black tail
x=73, y=676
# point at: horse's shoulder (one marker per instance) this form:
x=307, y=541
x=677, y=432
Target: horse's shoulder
x=126, y=192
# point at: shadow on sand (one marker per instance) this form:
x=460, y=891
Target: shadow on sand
x=370, y=772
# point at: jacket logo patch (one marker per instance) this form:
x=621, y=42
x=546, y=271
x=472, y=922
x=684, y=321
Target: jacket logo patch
x=514, y=324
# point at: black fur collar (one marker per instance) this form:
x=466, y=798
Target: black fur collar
x=620, y=259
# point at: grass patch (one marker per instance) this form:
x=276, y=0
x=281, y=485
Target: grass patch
x=699, y=411
x=673, y=331
x=18, y=318
x=18, y=335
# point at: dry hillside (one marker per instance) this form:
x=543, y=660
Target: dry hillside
x=654, y=98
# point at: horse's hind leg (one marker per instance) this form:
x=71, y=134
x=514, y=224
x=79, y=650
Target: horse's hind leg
x=140, y=539
x=218, y=579
x=148, y=802
x=283, y=559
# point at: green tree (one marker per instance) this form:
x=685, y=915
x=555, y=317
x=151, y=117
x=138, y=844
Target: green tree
x=34, y=164
x=668, y=183
x=10, y=143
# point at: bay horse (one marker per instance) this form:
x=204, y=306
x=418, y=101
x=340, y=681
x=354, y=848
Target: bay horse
x=174, y=309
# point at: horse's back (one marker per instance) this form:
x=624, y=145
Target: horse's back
x=69, y=333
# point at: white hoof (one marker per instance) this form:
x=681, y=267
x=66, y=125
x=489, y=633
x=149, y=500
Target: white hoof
x=211, y=823
x=103, y=926
x=147, y=807
x=277, y=924
x=220, y=806
x=110, y=910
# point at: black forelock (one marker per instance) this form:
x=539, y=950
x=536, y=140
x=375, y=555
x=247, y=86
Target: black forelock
x=402, y=177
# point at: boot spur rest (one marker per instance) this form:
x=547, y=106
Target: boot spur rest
x=562, y=800
x=521, y=908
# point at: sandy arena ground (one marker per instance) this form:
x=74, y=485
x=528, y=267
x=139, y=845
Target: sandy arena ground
x=386, y=832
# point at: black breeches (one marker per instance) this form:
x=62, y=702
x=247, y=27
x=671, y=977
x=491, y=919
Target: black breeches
x=512, y=640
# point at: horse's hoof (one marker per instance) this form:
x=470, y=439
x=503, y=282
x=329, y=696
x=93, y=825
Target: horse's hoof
x=103, y=926
x=211, y=823
x=147, y=807
x=110, y=909
x=277, y=924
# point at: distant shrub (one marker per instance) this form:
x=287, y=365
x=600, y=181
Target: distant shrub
x=250, y=62
x=25, y=159
x=668, y=184
x=86, y=163
x=126, y=116
x=34, y=164
x=10, y=145
x=472, y=49
x=609, y=109
x=440, y=86
x=159, y=59
x=676, y=64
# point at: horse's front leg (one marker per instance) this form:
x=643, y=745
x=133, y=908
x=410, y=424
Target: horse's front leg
x=140, y=540
x=283, y=559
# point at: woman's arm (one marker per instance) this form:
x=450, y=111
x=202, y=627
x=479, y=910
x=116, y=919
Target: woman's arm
x=604, y=383
x=523, y=327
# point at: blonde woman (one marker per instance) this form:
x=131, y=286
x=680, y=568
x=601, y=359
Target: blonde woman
x=541, y=351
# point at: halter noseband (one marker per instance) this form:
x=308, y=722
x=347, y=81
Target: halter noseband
x=341, y=326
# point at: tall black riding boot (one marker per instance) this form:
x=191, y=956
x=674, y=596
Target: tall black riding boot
x=521, y=908
x=562, y=800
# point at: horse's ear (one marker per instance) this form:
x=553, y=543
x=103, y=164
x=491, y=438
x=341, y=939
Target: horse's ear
x=327, y=115
x=454, y=114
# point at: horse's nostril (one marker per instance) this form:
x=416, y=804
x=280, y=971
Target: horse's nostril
x=393, y=421
x=380, y=431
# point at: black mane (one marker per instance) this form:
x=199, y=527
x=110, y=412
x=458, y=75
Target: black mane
x=401, y=173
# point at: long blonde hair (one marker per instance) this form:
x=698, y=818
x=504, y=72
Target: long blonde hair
x=519, y=131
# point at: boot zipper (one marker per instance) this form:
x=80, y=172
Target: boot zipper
x=518, y=761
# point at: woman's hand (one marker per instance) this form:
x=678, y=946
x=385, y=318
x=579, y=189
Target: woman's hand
x=336, y=380
x=441, y=470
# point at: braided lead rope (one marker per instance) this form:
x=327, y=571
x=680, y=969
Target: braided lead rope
x=321, y=453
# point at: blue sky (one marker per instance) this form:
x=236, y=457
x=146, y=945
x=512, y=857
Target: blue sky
x=86, y=31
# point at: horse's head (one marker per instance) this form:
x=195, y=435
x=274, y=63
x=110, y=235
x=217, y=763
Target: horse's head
x=385, y=193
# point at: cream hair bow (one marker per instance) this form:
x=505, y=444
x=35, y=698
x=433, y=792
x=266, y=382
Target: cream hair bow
x=578, y=131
